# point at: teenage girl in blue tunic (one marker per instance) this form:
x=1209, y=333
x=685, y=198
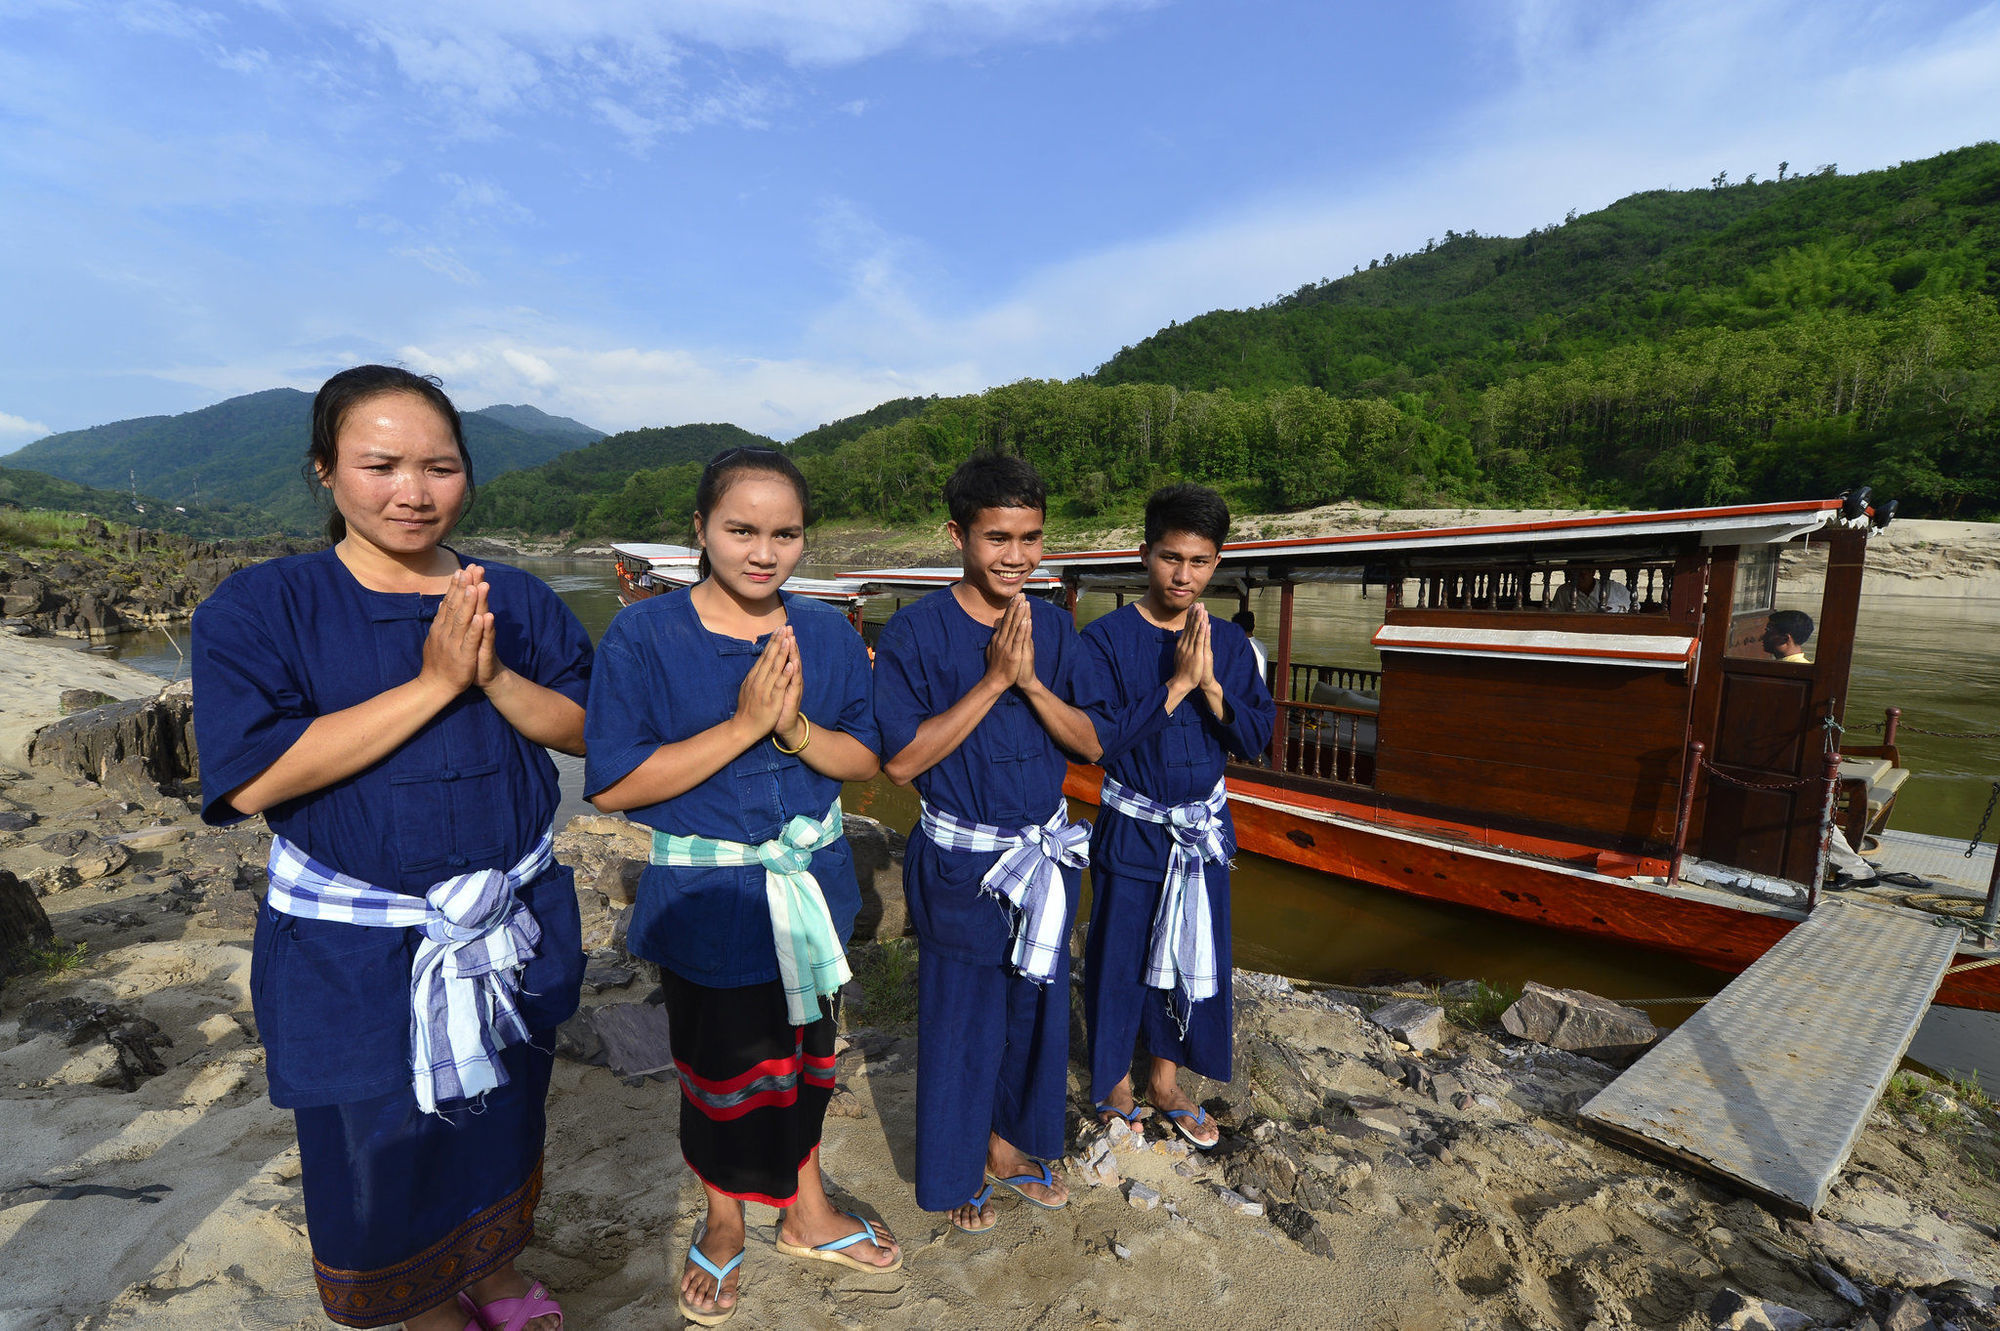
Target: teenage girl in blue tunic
x=387, y=707
x=726, y=717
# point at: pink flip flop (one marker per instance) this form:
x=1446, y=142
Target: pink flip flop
x=513, y=1314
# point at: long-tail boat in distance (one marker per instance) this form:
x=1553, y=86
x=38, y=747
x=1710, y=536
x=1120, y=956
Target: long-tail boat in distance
x=1581, y=722
x=649, y=570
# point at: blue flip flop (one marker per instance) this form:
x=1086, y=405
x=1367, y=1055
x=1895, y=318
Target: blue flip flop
x=978, y=1200
x=1135, y=1117
x=715, y=1316
x=1200, y=1117
x=1044, y=1177
x=835, y=1250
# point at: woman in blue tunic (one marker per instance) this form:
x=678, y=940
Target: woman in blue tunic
x=726, y=718
x=387, y=708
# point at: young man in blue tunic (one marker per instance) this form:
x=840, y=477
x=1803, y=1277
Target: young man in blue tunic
x=983, y=696
x=1188, y=693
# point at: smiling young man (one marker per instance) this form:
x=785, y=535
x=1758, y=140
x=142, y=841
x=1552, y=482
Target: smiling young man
x=983, y=695
x=1187, y=693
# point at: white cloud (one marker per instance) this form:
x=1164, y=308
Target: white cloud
x=16, y=431
x=616, y=388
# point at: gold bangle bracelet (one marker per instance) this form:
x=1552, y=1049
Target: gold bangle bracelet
x=807, y=722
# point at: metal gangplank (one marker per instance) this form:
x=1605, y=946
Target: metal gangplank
x=1769, y=1084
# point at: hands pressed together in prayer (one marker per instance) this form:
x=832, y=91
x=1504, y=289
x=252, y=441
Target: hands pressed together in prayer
x=1194, y=664
x=459, y=653
x=768, y=701
x=1010, y=655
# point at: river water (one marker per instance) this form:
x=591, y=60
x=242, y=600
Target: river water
x=1936, y=658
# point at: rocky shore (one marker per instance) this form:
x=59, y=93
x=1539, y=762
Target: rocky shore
x=1386, y=1162
x=113, y=582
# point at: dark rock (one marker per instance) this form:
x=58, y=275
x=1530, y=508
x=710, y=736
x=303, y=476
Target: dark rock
x=1300, y=1226
x=73, y=701
x=235, y=911
x=23, y=922
x=75, y=1020
x=603, y=971
x=17, y=820
x=1838, y=1285
x=878, y=870
x=1416, y=1023
x=66, y=842
x=636, y=1043
x=577, y=1040
x=134, y=747
x=1909, y=1313
x=1580, y=1022
x=99, y=861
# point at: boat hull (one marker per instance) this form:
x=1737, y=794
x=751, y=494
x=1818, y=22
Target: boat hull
x=1512, y=875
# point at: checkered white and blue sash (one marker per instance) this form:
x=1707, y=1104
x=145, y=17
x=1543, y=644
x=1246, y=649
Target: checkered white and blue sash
x=1027, y=877
x=477, y=936
x=811, y=962
x=1182, y=950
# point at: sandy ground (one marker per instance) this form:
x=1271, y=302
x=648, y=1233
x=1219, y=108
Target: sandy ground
x=33, y=674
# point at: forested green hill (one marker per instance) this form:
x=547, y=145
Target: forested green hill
x=249, y=450
x=622, y=485
x=21, y=488
x=1754, y=340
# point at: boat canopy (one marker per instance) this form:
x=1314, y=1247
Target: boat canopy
x=845, y=592
x=658, y=554
x=929, y=579
x=1344, y=556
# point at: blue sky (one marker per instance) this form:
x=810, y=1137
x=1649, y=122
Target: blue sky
x=777, y=212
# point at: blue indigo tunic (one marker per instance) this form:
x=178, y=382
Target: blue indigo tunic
x=1177, y=758
x=285, y=642
x=661, y=677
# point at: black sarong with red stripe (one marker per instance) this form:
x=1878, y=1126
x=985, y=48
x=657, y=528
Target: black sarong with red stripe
x=754, y=1087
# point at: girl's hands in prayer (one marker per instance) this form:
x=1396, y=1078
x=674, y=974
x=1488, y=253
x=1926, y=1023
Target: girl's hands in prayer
x=787, y=730
x=760, y=702
x=459, y=634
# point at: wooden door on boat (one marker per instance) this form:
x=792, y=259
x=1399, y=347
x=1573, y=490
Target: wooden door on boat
x=1768, y=740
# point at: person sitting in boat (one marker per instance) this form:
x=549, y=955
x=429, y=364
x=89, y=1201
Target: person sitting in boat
x=983, y=695
x=1247, y=621
x=1586, y=593
x=1188, y=694
x=1785, y=635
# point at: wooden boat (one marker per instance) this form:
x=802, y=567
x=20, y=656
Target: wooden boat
x=1652, y=776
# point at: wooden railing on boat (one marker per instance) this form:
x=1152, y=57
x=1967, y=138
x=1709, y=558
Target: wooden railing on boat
x=1339, y=677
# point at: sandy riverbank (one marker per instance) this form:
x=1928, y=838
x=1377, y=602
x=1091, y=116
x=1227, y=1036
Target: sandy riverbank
x=1400, y=1187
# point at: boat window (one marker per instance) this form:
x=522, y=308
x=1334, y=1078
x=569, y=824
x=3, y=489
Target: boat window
x=1775, y=609
x=1567, y=585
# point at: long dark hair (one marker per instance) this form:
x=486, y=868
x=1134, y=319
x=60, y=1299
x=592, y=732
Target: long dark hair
x=722, y=472
x=348, y=390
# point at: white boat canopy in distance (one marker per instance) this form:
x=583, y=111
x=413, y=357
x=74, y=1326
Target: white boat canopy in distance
x=658, y=554
x=930, y=579
x=1308, y=558
x=840, y=591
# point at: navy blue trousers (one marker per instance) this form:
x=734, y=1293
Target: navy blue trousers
x=992, y=1047
x=1118, y=1006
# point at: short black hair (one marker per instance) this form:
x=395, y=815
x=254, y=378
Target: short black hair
x=993, y=480
x=1794, y=624
x=1245, y=620
x=1194, y=509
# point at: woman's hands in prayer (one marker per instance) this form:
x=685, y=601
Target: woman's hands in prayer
x=767, y=703
x=459, y=651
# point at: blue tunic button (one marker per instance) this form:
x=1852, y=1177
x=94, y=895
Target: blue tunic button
x=457, y=861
